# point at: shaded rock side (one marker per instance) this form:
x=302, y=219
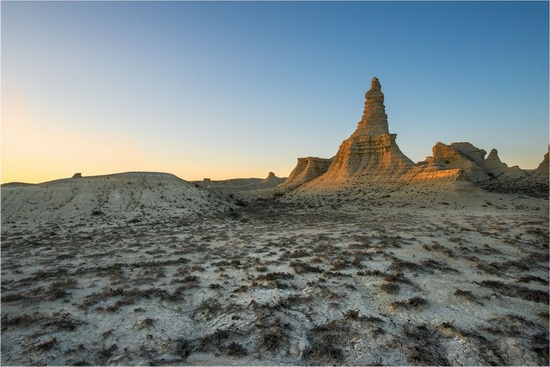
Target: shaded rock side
x=515, y=180
x=543, y=166
x=371, y=152
x=494, y=166
x=306, y=169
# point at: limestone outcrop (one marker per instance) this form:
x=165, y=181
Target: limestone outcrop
x=515, y=180
x=371, y=156
x=544, y=166
x=306, y=169
x=494, y=166
x=464, y=156
x=371, y=151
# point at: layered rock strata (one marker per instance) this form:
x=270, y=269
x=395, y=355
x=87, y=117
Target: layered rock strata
x=306, y=169
x=463, y=156
x=371, y=156
x=371, y=151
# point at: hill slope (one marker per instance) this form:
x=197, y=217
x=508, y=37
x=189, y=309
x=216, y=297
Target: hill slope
x=131, y=196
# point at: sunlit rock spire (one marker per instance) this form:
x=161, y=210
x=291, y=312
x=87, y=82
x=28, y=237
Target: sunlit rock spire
x=370, y=153
x=374, y=121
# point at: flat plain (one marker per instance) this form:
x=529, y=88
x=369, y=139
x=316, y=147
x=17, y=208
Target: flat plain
x=354, y=279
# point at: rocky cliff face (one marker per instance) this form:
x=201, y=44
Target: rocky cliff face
x=371, y=156
x=371, y=151
x=306, y=169
x=463, y=156
x=543, y=166
x=494, y=166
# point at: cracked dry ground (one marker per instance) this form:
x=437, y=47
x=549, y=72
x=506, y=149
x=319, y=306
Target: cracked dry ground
x=280, y=284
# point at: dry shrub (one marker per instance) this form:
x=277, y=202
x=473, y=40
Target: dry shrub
x=44, y=345
x=390, y=288
x=236, y=350
x=516, y=291
x=302, y=268
x=467, y=295
x=423, y=347
x=325, y=343
x=414, y=302
x=274, y=276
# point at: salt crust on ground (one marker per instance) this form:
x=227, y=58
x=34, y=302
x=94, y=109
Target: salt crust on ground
x=363, y=279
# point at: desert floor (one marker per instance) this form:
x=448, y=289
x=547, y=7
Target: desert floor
x=283, y=283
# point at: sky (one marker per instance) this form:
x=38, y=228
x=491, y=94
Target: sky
x=239, y=89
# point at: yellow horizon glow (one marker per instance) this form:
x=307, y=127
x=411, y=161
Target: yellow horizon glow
x=29, y=146
x=36, y=151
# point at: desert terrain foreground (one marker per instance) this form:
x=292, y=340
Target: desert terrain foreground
x=355, y=277
x=364, y=258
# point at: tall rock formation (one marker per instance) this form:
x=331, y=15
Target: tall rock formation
x=370, y=156
x=370, y=153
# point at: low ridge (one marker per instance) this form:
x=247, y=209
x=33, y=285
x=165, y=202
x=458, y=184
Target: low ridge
x=132, y=196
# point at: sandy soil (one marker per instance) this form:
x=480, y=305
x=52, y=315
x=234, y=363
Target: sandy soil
x=361, y=280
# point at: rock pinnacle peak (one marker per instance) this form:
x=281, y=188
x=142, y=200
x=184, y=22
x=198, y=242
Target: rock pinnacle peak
x=374, y=121
x=375, y=84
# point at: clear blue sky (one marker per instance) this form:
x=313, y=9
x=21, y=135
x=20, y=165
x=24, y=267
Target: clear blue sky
x=238, y=89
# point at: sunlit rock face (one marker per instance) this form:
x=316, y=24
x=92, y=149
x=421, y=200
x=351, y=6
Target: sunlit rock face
x=371, y=151
x=374, y=121
x=306, y=170
x=371, y=157
x=464, y=156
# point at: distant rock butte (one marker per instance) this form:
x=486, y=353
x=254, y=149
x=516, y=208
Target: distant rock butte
x=242, y=184
x=371, y=155
x=543, y=166
x=306, y=170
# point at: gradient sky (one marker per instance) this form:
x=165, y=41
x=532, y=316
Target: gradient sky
x=238, y=89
